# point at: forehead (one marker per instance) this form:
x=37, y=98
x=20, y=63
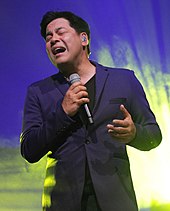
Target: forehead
x=58, y=23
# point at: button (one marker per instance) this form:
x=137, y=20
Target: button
x=87, y=141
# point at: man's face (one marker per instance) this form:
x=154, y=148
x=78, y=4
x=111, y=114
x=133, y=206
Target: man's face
x=63, y=44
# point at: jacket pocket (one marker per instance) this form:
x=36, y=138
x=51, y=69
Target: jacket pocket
x=117, y=101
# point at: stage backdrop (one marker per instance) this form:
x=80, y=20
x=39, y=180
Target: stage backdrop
x=133, y=34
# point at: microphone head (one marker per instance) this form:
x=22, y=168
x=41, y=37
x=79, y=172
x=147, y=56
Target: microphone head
x=74, y=78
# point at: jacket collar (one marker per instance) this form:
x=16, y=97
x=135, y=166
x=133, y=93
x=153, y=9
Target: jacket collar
x=101, y=78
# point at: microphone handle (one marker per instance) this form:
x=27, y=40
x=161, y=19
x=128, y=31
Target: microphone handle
x=72, y=79
x=88, y=114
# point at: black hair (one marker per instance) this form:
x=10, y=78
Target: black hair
x=75, y=22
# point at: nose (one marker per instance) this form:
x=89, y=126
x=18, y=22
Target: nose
x=54, y=40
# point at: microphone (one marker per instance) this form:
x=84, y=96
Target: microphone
x=75, y=78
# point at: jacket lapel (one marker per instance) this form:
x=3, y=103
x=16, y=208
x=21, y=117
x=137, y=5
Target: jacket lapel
x=61, y=83
x=101, y=78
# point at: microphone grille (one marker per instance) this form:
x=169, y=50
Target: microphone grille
x=74, y=78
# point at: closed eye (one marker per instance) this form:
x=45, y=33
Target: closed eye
x=61, y=31
x=48, y=36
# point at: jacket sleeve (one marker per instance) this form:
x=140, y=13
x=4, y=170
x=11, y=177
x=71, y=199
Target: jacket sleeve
x=42, y=134
x=148, y=133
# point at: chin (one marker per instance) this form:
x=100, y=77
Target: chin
x=60, y=60
x=57, y=62
x=63, y=62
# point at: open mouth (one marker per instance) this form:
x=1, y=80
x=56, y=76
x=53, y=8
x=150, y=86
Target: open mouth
x=58, y=50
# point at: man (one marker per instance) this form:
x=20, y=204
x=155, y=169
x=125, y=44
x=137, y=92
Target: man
x=87, y=163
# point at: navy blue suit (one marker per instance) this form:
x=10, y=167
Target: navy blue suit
x=47, y=129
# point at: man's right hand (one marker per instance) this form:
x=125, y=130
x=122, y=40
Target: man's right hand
x=75, y=96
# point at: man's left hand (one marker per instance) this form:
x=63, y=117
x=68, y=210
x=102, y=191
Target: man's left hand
x=123, y=130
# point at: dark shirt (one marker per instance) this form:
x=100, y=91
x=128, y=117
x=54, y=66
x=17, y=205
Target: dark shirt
x=91, y=88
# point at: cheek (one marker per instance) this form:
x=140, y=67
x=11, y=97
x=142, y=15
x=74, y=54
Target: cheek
x=47, y=47
x=72, y=41
x=49, y=54
x=48, y=51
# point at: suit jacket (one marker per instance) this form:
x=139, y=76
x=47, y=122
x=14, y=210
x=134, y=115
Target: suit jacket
x=68, y=142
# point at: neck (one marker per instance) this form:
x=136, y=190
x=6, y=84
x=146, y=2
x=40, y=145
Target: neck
x=85, y=69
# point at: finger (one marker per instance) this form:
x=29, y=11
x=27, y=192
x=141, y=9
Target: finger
x=117, y=130
x=78, y=83
x=120, y=123
x=110, y=127
x=79, y=89
x=123, y=137
x=83, y=101
x=81, y=94
x=124, y=111
x=77, y=86
x=120, y=130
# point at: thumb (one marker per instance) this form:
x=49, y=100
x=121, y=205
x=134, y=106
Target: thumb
x=124, y=111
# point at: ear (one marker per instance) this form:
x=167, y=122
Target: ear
x=84, y=39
